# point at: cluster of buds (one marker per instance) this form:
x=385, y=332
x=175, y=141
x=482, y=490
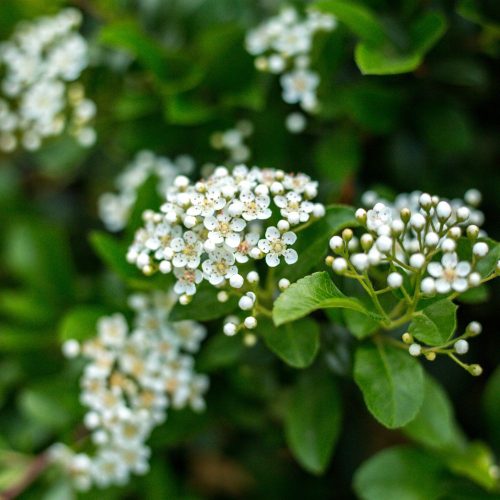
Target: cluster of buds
x=208, y=230
x=39, y=95
x=283, y=45
x=420, y=242
x=232, y=141
x=456, y=346
x=130, y=379
x=115, y=208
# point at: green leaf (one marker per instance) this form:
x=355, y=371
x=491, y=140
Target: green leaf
x=476, y=463
x=311, y=293
x=38, y=254
x=312, y=242
x=80, y=323
x=297, y=343
x=392, y=383
x=358, y=18
x=204, y=306
x=436, y=323
x=401, y=473
x=312, y=421
x=387, y=59
x=487, y=264
x=359, y=324
x=435, y=426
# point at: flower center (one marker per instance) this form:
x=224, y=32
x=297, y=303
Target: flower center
x=277, y=247
x=449, y=274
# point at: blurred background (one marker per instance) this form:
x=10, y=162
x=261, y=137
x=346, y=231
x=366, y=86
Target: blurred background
x=165, y=76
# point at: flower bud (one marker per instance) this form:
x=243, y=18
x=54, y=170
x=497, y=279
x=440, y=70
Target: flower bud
x=407, y=338
x=250, y=322
x=336, y=243
x=347, y=234
x=230, y=329
x=283, y=284
x=250, y=339
x=461, y=346
x=236, y=281
x=472, y=232
x=430, y=356
x=443, y=211
x=474, y=328
x=361, y=215
x=253, y=277
x=223, y=296
x=394, y=280
x=405, y=215
x=339, y=265
x=480, y=249
x=425, y=201
x=415, y=350
x=417, y=222
x=475, y=370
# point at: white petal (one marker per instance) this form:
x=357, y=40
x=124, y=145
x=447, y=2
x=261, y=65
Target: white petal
x=463, y=268
x=233, y=240
x=435, y=269
x=177, y=244
x=290, y=255
x=264, y=245
x=442, y=286
x=460, y=285
x=289, y=238
x=210, y=223
x=280, y=201
x=449, y=260
x=272, y=233
x=272, y=260
x=238, y=225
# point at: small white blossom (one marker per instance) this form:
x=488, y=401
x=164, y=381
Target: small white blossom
x=276, y=245
x=450, y=274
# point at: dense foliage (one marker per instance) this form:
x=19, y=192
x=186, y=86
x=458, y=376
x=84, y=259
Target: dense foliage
x=221, y=331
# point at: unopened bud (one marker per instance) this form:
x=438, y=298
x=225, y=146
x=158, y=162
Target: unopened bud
x=430, y=356
x=347, y=234
x=475, y=370
x=407, y=338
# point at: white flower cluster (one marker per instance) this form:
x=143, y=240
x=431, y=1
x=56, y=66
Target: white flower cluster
x=282, y=45
x=205, y=230
x=131, y=379
x=115, y=208
x=39, y=95
x=418, y=235
x=232, y=141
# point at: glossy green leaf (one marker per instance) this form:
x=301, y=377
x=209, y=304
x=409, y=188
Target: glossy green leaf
x=312, y=420
x=435, y=324
x=357, y=17
x=435, y=426
x=392, y=383
x=402, y=473
x=387, y=59
x=311, y=293
x=295, y=343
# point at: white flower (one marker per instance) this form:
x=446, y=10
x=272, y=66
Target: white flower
x=255, y=207
x=275, y=245
x=379, y=215
x=293, y=208
x=206, y=204
x=187, y=250
x=299, y=86
x=112, y=330
x=450, y=274
x=246, y=246
x=224, y=229
x=187, y=279
x=219, y=266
